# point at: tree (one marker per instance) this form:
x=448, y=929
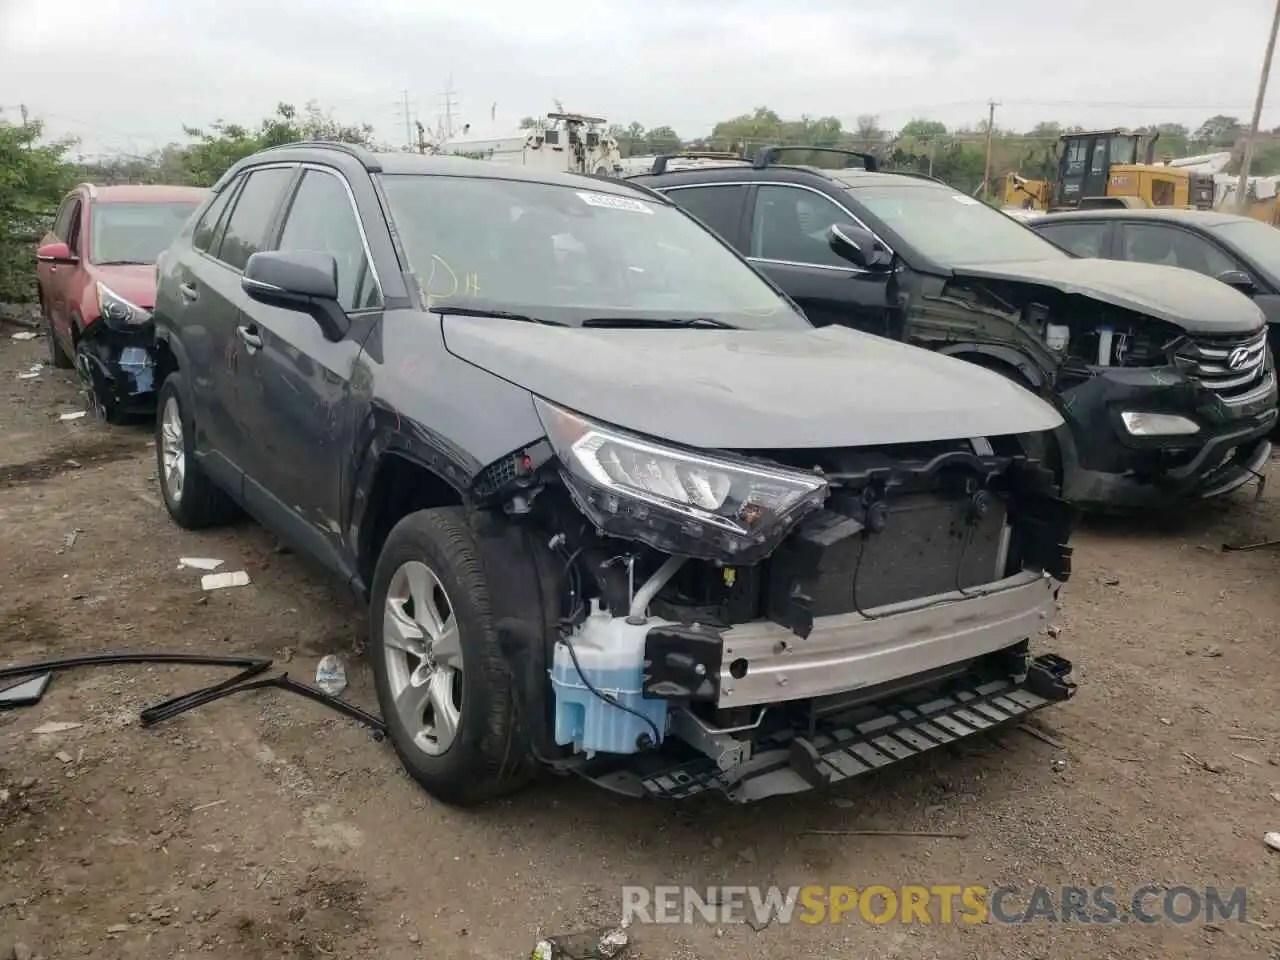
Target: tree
x=223, y=144
x=1218, y=131
x=923, y=129
x=34, y=177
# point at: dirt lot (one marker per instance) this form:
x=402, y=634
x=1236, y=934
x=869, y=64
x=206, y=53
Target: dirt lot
x=266, y=826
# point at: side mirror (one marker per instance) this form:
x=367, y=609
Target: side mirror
x=859, y=247
x=302, y=280
x=1239, y=280
x=56, y=252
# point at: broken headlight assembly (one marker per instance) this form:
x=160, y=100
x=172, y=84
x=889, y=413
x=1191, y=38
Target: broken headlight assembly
x=117, y=312
x=677, y=501
x=1158, y=424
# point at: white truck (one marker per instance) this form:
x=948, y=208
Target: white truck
x=561, y=142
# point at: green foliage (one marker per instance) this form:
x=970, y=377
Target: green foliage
x=223, y=144
x=33, y=179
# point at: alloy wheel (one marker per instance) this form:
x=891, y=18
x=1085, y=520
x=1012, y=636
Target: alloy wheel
x=423, y=657
x=173, y=453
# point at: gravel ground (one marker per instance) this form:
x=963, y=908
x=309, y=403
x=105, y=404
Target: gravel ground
x=266, y=826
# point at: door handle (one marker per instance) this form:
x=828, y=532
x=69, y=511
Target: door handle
x=188, y=292
x=250, y=338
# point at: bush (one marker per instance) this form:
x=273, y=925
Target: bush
x=33, y=181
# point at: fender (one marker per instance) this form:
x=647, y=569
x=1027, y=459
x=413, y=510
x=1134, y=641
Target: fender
x=1009, y=356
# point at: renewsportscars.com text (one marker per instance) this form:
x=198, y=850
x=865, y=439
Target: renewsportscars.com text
x=936, y=904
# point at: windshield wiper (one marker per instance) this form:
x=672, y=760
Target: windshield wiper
x=710, y=322
x=461, y=311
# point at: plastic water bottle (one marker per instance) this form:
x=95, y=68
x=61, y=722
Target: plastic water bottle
x=331, y=675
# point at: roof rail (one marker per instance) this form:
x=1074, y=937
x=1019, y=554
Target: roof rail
x=660, y=162
x=918, y=175
x=767, y=156
x=364, y=155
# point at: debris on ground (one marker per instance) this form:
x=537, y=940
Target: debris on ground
x=57, y=726
x=219, y=581
x=1041, y=736
x=604, y=944
x=69, y=540
x=72, y=416
x=198, y=563
x=62, y=756
x=1272, y=840
x=32, y=372
x=23, y=335
x=1203, y=764
x=331, y=675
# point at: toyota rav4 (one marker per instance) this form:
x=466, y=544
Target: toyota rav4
x=617, y=507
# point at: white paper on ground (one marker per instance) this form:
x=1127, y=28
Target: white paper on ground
x=216, y=581
x=198, y=563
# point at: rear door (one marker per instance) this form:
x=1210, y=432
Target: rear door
x=720, y=206
x=787, y=240
x=293, y=383
x=210, y=301
x=1084, y=238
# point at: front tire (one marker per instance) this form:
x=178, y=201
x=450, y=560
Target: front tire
x=57, y=355
x=192, y=499
x=442, y=682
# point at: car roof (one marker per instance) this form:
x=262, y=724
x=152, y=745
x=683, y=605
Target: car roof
x=846, y=177
x=432, y=165
x=1202, y=218
x=145, y=193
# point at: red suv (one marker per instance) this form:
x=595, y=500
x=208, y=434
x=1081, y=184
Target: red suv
x=97, y=279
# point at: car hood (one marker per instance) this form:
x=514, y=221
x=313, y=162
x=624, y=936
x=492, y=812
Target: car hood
x=135, y=282
x=1190, y=300
x=752, y=389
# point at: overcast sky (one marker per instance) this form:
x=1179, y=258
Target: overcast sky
x=127, y=75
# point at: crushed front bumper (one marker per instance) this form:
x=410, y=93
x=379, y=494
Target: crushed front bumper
x=119, y=366
x=1108, y=467
x=845, y=745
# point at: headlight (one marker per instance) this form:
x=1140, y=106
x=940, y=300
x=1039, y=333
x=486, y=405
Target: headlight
x=118, y=312
x=1158, y=424
x=676, y=500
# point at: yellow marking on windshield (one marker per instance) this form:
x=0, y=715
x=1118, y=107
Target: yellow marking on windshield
x=431, y=279
x=473, y=285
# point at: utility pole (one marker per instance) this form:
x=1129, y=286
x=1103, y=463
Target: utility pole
x=991, y=122
x=448, y=102
x=1242, y=187
x=408, y=137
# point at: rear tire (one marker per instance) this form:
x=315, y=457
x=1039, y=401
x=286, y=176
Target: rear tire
x=480, y=760
x=192, y=499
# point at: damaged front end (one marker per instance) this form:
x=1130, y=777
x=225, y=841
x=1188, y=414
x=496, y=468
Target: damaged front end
x=1157, y=414
x=764, y=622
x=115, y=357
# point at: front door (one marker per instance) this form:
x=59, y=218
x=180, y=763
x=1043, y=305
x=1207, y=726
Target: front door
x=211, y=300
x=789, y=242
x=293, y=382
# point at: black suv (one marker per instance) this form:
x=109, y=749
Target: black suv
x=1163, y=377
x=616, y=506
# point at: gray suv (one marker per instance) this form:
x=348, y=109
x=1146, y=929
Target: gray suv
x=617, y=508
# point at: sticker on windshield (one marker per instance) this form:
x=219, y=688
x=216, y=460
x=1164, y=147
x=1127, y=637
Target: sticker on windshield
x=616, y=203
x=961, y=198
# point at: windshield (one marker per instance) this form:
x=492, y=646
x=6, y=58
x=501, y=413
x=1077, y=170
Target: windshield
x=136, y=232
x=1258, y=241
x=567, y=254
x=951, y=228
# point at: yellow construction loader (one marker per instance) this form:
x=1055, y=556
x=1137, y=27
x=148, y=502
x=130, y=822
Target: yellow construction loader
x=1108, y=168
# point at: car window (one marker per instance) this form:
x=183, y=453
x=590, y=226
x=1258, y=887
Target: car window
x=792, y=224
x=62, y=225
x=1258, y=241
x=1160, y=243
x=569, y=253
x=253, y=215
x=1082, y=239
x=950, y=228
x=321, y=219
x=73, y=228
x=207, y=228
x=136, y=232
x=719, y=207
